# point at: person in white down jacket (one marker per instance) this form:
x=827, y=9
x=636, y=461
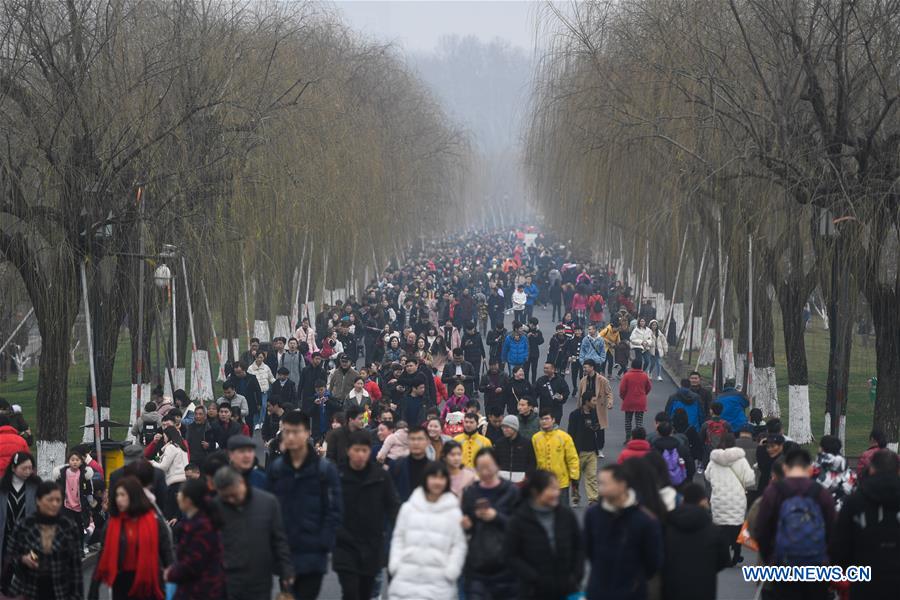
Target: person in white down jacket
x=641, y=339
x=730, y=475
x=428, y=548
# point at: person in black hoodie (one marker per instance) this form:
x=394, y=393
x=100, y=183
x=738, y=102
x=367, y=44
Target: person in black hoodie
x=311, y=373
x=535, y=341
x=247, y=386
x=543, y=543
x=494, y=341
x=283, y=388
x=370, y=508
x=473, y=351
x=692, y=575
x=558, y=351
x=515, y=453
x=868, y=532
x=199, y=435
x=494, y=386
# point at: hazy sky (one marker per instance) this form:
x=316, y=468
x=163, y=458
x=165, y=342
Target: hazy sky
x=417, y=25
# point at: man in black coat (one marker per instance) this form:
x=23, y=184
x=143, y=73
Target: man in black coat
x=496, y=305
x=694, y=550
x=868, y=532
x=311, y=373
x=199, y=436
x=370, y=508
x=552, y=391
x=459, y=371
x=247, y=386
x=494, y=385
x=535, y=341
x=283, y=388
x=515, y=454
x=473, y=350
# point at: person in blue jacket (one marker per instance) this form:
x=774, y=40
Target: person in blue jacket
x=309, y=490
x=689, y=401
x=531, y=295
x=734, y=405
x=593, y=348
x=623, y=541
x=515, y=348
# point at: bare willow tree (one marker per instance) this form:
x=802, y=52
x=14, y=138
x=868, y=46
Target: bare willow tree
x=803, y=106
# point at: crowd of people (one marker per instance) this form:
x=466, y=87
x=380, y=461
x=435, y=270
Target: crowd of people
x=411, y=443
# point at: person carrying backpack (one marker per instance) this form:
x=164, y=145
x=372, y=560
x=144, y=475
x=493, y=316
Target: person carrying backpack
x=676, y=455
x=712, y=431
x=794, y=525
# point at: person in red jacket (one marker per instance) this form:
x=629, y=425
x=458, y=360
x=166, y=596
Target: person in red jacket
x=11, y=441
x=633, y=390
x=636, y=447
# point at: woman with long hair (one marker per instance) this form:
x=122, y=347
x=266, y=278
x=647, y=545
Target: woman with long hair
x=547, y=566
x=132, y=569
x=17, y=502
x=46, y=551
x=518, y=388
x=434, y=429
x=197, y=570
x=428, y=547
x=172, y=460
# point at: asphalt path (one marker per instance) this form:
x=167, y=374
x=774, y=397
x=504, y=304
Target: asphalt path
x=731, y=584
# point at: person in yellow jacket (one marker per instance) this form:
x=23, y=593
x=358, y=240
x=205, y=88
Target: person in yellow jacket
x=470, y=440
x=611, y=336
x=555, y=452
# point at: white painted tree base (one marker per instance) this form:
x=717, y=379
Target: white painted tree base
x=50, y=457
x=678, y=315
x=708, y=351
x=765, y=391
x=739, y=369
x=201, y=380
x=729, y=371
x=842, y=428
x=282, y=327
x=236, y=349
x=178, y=374
x=799, y=428
x=135, y=407
x=88, y=435
x=261, y=331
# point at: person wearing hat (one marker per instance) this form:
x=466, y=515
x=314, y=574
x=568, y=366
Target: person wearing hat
x=515, y=454
x=341, y=379
x=242, y=456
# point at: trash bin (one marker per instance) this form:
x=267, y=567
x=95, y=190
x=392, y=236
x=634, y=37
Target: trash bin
x=113, y=457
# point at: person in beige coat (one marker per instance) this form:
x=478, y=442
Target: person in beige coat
x=592, y=380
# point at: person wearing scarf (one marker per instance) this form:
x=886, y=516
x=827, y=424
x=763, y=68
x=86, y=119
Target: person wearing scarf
x=134, y=550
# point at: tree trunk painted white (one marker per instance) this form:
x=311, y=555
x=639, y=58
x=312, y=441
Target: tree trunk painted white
x=842, y=429
x=739, y=364
x=678, y=315
x=282, y=327
x=765, y=391
x=261, y=330
x=708, y=351
x=201, y=380
x=178, y=374
x=72, y=352
x=235, y=349
x=136, y=408
x=697, y=339
x=88, y=435
x=798, y=414
x=224, y=355
x=729, y=370
x=50, y=457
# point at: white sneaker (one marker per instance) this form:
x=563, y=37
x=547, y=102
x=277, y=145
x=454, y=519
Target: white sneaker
x=258, y=427
x=600, y=454
x=659, y=378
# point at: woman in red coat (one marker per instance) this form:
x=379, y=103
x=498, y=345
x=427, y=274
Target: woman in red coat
x=633, y=390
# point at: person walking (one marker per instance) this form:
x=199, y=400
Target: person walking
x=593, y=382
x=515, y=453
x=487, y=506
x=640, y=341
x=428, y=546
x=657, y=350
x=46, y=549
x=867, y=532
x=692, y=575
x=308, y=490
x=133, y=570
x=370, y=507
x=18, y=490
x=470, y=440
x=729, y=475
x=197, y=571
x=172, y=460
x=554, y=451
x=543, y=543
x=623, y=542
x=633, y=390
x=515, y=349
x=584, y=428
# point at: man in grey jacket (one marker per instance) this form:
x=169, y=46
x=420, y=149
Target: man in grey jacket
x=254, y=539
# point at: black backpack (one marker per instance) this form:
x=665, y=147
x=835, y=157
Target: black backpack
x=598, y=306
x=148, y=430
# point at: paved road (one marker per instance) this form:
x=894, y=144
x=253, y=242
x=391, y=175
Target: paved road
x=731, y=585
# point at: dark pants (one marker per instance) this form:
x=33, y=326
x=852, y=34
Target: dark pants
x=610, y=363
x=122, y=587
x=576, y=375
x=532, y=367
x=557, y=312
x=729, y=535
x=493, y=588
x=800, y=591
x=307, y=586
x=355, y=586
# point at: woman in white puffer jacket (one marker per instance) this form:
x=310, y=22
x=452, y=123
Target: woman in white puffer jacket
x=729, y=475
x=428, y=548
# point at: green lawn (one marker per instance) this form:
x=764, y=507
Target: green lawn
x=25, y=393
x=862, y=367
